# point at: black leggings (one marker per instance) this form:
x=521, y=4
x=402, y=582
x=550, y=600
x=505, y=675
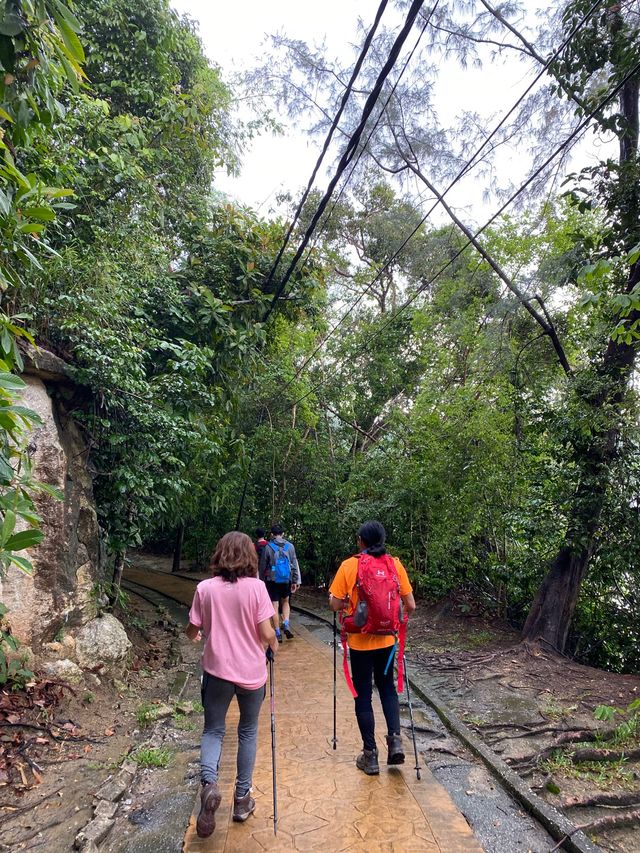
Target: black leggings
x=364, y=666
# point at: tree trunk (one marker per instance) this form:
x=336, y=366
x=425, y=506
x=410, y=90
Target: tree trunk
x=177, y=550
x=601, y=391
x=118, y=567
x=552, y=611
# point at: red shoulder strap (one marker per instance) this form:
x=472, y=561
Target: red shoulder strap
x=402, y=636
x=345, y=664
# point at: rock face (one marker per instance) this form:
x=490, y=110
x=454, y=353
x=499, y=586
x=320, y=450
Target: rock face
x=66, y=563
x=103, y=641
x=65, y=670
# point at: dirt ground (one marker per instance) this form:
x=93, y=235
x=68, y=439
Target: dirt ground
x=59, y=744
x=58, y=751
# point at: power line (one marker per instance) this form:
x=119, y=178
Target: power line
x=579, y=129
x=455, y=180
x=350, y=149
x=363, y=148
x=334, y=124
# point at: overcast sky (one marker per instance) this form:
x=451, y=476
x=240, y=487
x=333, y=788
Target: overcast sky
x=233, y=35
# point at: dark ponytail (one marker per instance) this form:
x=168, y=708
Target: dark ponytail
x=373, y=535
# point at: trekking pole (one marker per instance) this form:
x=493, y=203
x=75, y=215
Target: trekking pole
x=335, y=652
x=413, y=730
x=272, y=702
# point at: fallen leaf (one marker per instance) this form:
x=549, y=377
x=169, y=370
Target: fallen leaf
x=88, y=748
x=109, y=732
x=41, y=740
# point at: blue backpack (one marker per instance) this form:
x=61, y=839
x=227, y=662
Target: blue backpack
x=281, y=566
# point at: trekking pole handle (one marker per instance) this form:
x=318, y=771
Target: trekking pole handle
x=270, y=655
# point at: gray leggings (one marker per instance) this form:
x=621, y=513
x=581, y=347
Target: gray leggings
x=216, y=698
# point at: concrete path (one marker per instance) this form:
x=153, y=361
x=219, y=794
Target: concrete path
x=324, y=801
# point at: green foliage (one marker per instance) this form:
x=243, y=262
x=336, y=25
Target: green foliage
x=108, y=595
x=13, y=672
x=628, y=730
x=40, y=55
x=152, y=757
x=146, y=714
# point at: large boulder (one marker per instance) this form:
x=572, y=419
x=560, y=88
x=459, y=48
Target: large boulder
x=63, y=670
x=103, y=641
x=58, y=595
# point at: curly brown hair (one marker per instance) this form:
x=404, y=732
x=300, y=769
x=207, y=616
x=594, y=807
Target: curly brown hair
x=235, y=557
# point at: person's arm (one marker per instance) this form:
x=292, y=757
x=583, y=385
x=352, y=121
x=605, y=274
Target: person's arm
x=406, y=592
x=409, y=604
x=339, y=598
x=267, y=635
x=264, y=563
x=194, y=628
x=193, y=632
x=296, y=577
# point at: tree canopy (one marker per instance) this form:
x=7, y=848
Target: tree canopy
x=471, y=385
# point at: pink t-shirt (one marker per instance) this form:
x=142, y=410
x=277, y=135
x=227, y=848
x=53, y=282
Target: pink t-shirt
x=228, y=614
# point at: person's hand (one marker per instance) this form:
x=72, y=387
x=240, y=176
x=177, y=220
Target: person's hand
x=272, y=649
x=294, y=587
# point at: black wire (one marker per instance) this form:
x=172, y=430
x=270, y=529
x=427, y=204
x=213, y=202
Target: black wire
x=455, y=180
x=582, y=126
x=327, y=141
x=363, y=148
x=350, y=149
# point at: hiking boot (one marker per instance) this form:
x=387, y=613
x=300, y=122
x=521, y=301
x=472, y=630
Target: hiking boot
x=287, y=632
x=279, y=637
x=396, y=752
x=367, y=761
x=209, y=802
x=243, y=807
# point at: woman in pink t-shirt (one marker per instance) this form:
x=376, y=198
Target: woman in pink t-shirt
x=233, y=611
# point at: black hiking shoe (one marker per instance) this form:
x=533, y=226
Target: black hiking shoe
x=209, y=802
x=287, y=633
x=279, y=637
x=243, y=807
x=367, y=761
x=396, y=752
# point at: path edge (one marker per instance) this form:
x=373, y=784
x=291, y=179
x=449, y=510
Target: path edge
x=557, y=825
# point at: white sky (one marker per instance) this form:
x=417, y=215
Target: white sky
x=233, y=35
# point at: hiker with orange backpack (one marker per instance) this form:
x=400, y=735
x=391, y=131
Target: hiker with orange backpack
x=373, y=593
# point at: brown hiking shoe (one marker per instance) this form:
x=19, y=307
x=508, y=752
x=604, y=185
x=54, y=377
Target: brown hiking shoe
x=367, y=761
x=209, y=802
x=243, y=807
x=396, y=752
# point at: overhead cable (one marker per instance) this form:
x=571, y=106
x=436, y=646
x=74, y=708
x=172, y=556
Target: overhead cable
x=334, y=124
x=463, y=171
x=576, y=132
x=349, y=150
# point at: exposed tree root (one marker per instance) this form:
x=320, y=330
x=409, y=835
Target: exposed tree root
x=604, y=823
x=612, y=800
x=579, y=755
x=573, y=737
x=443, y=750
x=17, y=812
x=545, y=730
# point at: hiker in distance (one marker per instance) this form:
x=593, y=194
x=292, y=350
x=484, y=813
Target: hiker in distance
x=280, y=571
x=260, y=543
x=371, y=625
x=232, y=611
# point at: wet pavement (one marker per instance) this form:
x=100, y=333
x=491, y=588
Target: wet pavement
x=324, y=802
x=320, y=790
